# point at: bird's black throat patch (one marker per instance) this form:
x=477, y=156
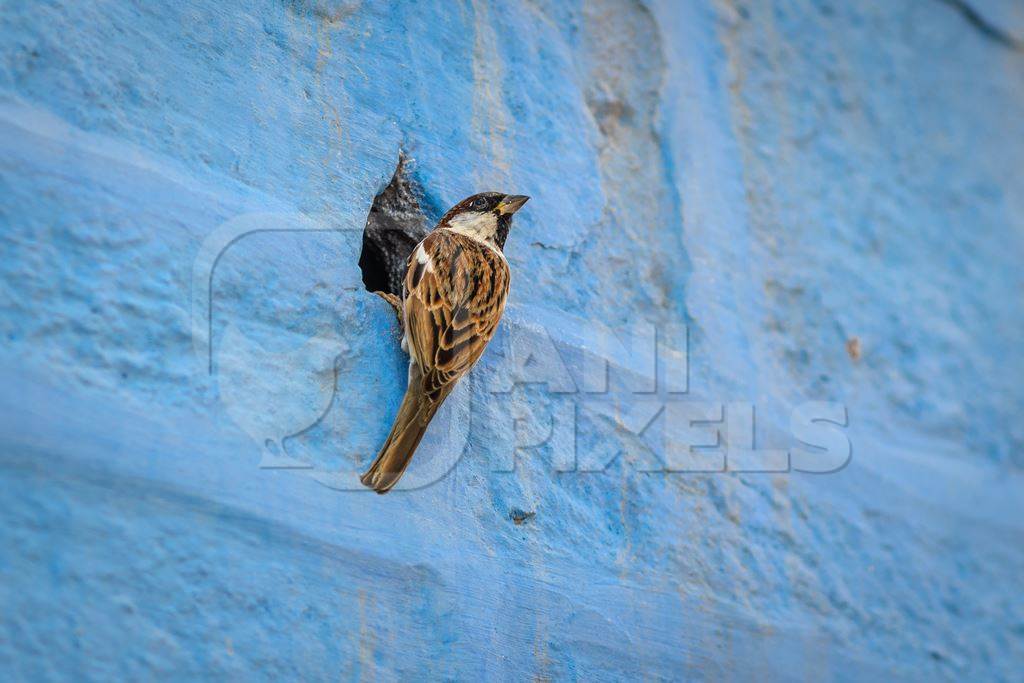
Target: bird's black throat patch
x=501, y=234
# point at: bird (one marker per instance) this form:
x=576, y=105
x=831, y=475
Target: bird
x=453, y=296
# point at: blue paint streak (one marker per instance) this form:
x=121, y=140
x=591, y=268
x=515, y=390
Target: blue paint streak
x=781, y=177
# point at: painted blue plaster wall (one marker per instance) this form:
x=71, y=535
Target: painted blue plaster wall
x=779, y=176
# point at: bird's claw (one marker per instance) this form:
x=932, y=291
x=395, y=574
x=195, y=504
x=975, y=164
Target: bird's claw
x=395, y=302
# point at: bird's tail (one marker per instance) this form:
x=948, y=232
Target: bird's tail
x=410, y=424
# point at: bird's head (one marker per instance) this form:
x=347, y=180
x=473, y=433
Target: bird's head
x=486, y=216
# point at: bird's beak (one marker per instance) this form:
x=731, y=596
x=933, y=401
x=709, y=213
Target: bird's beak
x=511, y=203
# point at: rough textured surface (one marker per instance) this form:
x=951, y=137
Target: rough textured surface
x=396, y=224
x=828, y=194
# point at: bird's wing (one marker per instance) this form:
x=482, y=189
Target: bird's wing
x=454, y=295
x=455, y=291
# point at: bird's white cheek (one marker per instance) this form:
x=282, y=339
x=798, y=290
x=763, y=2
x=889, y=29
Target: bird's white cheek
x=476, y=225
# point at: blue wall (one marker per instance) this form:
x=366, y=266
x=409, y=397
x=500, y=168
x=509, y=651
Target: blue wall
x=819, y=201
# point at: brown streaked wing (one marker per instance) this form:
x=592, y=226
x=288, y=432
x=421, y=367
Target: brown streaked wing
x=452, y=308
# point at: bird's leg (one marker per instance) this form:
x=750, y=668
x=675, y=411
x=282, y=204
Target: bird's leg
x=395, y=302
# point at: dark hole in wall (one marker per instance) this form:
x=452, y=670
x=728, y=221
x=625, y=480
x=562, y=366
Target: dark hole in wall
x=396, y=224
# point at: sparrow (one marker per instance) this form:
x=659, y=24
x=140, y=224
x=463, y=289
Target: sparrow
x=454, y=292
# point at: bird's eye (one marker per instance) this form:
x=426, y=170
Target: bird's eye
x=479, y=203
